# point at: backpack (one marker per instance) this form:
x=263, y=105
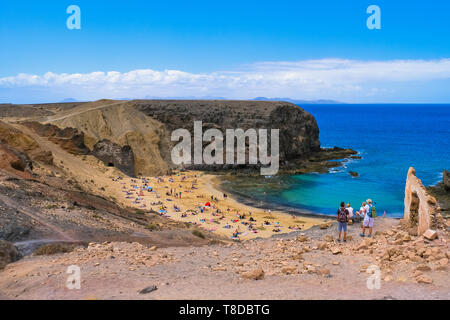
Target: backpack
x=373, y=212
x=342, y=215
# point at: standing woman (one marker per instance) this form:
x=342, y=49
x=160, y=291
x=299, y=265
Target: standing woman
x=368, y=219
x=361, y=212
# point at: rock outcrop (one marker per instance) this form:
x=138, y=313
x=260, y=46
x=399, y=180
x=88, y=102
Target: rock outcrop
x=422, y=211
x=112, y=154
x=24, y=144
x=146, y=127
x=70, y=139
x=441, y=192
x=299, y=133
x=14, y=161
x=446, y=180
x=122, y=124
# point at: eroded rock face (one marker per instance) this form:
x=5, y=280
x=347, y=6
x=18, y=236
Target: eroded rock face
x=23, y=143
x=14, y=161
x=115, y=155
x=147, y=125
x=70, y=139
x=421, y=209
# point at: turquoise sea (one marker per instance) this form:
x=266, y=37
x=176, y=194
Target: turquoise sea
x=390, y=139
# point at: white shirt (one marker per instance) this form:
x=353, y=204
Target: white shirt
x=350, y=211
x=367, y=208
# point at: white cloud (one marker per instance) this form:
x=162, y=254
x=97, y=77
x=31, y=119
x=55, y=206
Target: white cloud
x=307, y=79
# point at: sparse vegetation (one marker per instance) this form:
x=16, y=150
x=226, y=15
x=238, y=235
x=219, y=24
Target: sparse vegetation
x=139, y=211
x=152, y=227
x=198, y=233
x=54, y=248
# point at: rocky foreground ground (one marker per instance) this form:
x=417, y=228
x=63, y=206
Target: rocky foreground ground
x=308, y=265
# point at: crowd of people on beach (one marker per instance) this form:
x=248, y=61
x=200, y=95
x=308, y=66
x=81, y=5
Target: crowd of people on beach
x=242, y=223
x=367, y=213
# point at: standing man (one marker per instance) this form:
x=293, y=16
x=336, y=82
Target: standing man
x=342, y=218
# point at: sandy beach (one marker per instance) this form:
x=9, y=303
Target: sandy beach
x=203, y=204
x=196, y=187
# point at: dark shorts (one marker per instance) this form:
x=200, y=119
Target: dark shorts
x=342, y=225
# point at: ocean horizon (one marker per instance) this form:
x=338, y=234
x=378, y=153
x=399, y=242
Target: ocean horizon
x=390, y=138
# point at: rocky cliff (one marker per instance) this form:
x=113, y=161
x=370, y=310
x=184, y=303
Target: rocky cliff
x=441, y=192
x=23, y=143
x=70, y=139
x=115, y=155
x=299, y=133
x=146, y=127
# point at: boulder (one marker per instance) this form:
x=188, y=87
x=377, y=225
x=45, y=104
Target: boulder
x=322, y=245
x=362, y=246
x=430, y=234
x=354, y=174
x=336, y=250
x=423, y=267
x=443, y=261
x=255, y=274
x=148, y=289
x=8, y=253
x=424, y=279
x=289, y=270
x=325, y=225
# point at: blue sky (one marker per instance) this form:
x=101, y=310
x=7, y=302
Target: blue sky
x=233, y=49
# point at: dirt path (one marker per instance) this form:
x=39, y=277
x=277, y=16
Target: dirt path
x=49, y=120
x=293, y=269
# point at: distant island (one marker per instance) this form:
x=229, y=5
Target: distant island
x=294, y=101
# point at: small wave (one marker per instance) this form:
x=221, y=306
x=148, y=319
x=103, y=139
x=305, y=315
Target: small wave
x=439, y=178
x=337, y=169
